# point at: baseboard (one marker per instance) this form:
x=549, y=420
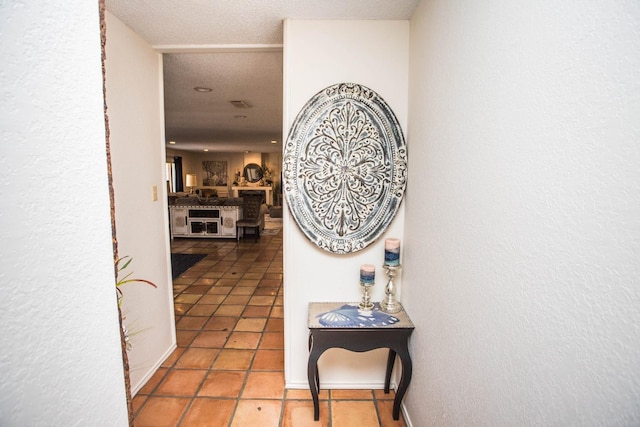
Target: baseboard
x=135, y=388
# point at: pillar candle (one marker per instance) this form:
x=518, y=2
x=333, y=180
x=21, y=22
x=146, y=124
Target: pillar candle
x=367, y=273
x=392, y=252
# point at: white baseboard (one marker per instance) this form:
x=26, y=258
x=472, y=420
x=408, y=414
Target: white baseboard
x=135, y=388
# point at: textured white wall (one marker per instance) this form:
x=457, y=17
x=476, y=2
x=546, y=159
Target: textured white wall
x=521, y=267
x=319, y=54
x=60, y=362
x=135, y=109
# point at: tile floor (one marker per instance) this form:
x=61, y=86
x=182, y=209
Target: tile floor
x=228, y=369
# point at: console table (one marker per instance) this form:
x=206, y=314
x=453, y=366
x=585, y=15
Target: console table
x=342, y=325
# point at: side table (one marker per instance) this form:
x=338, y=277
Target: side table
x=342, y=325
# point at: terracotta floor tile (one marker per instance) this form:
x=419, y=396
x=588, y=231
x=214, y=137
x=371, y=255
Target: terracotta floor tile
x=229, y=310
x=184, y=338
x=385, y=411
x=169, y=361
x=137, y=402
x=261, y=300
x=181, y=308
x=242, y=290
x=223, y=384
x=161, y=412
x=202, y=310
x=191, y=322
x=270, y=282
x=268, y=360
x=229, y=359
x=243, y=340
x=267, y=291
x=299, y=413
x=237, y=299
x=197, y=289
x=227, y=281
x=353, y=413
x=351, y=394
x=275, y=325
x=305, y=394
x=209, y=412
x=153, y=381
x=264, y=385
x=210, y=339
x=181, y=382
x=251, y=324
x=219, y=290
x=212, y=299
x=380, y=394
x=187, y=298
x=256, y=311
x=212, y=274
x=272, y=340
x=201, y=358
x=221, y=323
x=262, y=413
x=205, y=281
x=250, y=279
x=277, y=312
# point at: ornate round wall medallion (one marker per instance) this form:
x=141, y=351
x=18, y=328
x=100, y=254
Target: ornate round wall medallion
x=345, y=168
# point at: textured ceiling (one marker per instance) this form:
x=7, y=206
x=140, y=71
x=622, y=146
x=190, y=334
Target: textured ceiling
x=234, y=48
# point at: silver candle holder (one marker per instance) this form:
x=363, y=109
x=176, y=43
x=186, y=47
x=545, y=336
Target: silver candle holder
x=390, y=304
x=366, y=304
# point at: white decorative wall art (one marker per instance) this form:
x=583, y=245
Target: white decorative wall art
x=345, y=168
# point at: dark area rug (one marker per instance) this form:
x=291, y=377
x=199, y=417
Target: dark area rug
x=182, y=262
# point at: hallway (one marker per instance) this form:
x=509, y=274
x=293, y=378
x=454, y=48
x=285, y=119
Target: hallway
x=228, y=369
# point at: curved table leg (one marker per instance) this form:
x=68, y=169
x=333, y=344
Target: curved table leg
x=390, y=361
x=313, y=376
x=405, y=379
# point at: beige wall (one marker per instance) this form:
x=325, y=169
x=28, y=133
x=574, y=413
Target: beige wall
x=523, y=213
x=376, y=54
x=61, y=363
x=134, y=102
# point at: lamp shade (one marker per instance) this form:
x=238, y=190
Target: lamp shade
x=191, y=180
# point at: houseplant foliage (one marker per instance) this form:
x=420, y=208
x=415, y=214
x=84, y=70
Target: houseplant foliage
x=121, y=266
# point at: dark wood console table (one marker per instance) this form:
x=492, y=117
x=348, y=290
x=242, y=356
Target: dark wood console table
x=341, y=325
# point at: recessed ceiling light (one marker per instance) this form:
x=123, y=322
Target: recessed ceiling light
x=206, y=149
x=202, y=89
x=172, y=142
x=273, y=141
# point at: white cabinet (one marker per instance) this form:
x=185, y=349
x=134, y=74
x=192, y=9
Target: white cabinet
x=204, y=221
x=179, y=221
x=228, y=221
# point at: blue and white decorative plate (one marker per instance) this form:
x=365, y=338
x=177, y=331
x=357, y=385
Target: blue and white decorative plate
x=344, y=168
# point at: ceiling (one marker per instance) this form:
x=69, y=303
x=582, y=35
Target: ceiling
x=234, y=48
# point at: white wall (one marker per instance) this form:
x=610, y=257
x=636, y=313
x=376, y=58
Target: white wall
x=318, y=54
x=61, y=362
x=135, y=109
x=521, y=262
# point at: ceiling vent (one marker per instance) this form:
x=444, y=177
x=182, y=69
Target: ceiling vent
x=240, y=104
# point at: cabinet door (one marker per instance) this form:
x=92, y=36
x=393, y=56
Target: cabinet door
x=228, y=222
x=179, y=222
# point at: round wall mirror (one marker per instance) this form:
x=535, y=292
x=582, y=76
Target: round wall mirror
x=252, y=172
